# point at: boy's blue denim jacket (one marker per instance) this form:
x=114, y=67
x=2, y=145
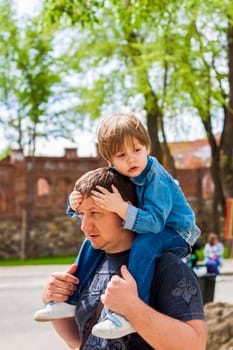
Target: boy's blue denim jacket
x=161, y=202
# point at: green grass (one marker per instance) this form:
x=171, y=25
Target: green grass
x=66, y=260
x=51, y=260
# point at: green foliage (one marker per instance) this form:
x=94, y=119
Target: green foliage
x=148, y=42
x=117, y=46
x=71, y=12
x=31, y=81
x=161, y=59
x=117, y=50
x=6, y=152
x=173, y=54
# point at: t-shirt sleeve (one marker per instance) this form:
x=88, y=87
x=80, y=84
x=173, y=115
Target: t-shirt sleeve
x=175, y=290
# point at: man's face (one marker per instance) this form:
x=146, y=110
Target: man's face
x=103, y=229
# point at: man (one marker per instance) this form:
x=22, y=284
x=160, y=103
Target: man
x=174, y=319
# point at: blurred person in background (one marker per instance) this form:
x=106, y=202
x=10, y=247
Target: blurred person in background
x=213, y=254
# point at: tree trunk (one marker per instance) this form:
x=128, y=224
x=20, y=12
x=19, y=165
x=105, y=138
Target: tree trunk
x=154, y=113
x=27, y=216
x=227, y=139
x=169, y=159
x=23, y=234
x=218, y=208
x=27, y=221
x=152, y=119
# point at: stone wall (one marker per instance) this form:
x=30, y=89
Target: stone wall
x=60, y=236
x=219, y=317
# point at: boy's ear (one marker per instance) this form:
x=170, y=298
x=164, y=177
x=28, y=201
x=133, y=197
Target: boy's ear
x=109, y=164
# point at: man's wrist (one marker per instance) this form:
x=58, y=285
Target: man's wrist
x=130, y=311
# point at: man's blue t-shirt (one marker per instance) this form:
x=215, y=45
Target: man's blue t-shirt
x=175, y=292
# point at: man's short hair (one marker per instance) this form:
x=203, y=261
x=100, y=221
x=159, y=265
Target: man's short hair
x=106, y=177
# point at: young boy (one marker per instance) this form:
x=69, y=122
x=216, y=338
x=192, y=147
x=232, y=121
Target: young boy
x=163, y=220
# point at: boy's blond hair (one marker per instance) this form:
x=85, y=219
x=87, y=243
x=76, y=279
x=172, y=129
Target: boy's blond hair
x=118, y=129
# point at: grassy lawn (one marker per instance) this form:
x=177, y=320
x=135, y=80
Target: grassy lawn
x=52, y=260
x=66, y=260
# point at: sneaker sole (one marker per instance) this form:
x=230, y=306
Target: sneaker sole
x=113, y=335
x=43, y=319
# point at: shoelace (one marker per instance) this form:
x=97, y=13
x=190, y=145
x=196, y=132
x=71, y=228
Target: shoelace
x=114, y=319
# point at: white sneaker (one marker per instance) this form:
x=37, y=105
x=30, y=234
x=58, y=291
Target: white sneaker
x=114, y=326
x=54, y=311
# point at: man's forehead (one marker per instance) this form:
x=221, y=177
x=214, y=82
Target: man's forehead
x=88, y=203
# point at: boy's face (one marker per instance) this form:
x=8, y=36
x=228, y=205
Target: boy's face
x=131, y=159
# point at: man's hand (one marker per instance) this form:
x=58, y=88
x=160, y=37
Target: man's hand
x=75, y=200
x=121, y=292
x=60, y=286
x=110, y=201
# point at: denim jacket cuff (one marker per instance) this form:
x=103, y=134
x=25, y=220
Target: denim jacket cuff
x=130, y=217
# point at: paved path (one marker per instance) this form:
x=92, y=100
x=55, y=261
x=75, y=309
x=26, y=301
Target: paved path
x=20, y=297
x=224, y=286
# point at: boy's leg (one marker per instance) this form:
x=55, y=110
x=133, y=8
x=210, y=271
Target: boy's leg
x=143, y=254
x=140, y=265
x=146, y=249
x=86, y=261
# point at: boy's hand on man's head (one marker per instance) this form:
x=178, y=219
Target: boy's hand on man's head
x=110, y=201
x=75, y=200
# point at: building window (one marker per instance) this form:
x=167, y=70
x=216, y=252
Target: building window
x=207, y=187
x=42, y=187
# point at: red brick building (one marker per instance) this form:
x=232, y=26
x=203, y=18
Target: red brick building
x=54, y=178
